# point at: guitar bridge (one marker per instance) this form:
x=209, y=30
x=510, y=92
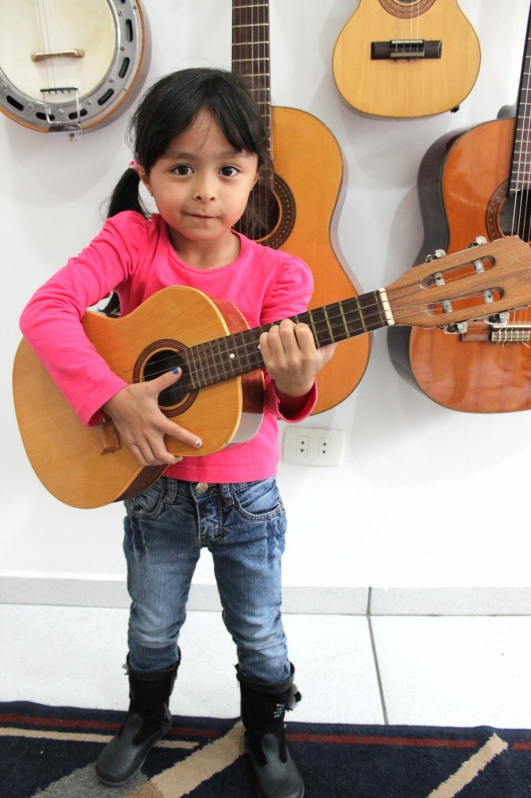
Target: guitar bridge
x=405, y=48
x=107, y=436
x=511, y=334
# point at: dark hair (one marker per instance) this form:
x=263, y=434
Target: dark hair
x=170, y=106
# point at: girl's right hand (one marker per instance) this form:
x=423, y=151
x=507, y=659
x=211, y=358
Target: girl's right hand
x=142, y=425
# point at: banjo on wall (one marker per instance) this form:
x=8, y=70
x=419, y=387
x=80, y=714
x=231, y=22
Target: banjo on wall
x=68, y=66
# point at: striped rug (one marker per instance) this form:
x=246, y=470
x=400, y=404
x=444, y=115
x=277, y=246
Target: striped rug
x=50, y=752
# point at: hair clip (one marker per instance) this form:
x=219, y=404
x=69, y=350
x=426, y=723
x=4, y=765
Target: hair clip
x=133, y=165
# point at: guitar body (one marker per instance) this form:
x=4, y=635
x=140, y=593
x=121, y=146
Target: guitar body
x=297, y=138
x=210, y=340
x=66, y=455
x=462, y=185
x=403, y=87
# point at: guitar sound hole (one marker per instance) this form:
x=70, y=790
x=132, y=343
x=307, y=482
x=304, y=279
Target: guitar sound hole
x=261, y=214
x=515, y=215
x=406, y=8
x=159, y=363
x=270, y=213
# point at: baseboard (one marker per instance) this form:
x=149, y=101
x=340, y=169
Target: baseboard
x=92, y=592
x=113, y=593
x=450, y=601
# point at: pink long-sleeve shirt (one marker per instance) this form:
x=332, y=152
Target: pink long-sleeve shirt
x=134, y=257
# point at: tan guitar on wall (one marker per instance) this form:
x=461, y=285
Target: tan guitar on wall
x=295, y=205
x=220, y=395
x=406, y=58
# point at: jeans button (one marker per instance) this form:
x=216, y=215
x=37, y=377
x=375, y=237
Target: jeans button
x=201, y=487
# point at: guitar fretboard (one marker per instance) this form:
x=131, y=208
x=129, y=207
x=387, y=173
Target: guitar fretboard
x=521, y=160
x=237, y=354
x=250, y=51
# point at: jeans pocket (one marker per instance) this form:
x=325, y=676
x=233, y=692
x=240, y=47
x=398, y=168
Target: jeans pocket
x=257, y=501
x=149, y=504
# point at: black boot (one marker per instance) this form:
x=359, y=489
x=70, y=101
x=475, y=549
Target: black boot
x=147, y=721
x=263, y=707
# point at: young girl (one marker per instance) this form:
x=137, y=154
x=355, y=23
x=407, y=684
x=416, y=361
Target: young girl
x=199, y=145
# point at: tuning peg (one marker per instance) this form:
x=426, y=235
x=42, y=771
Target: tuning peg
x=439, y=253
x=478, y=241
x=458, y=328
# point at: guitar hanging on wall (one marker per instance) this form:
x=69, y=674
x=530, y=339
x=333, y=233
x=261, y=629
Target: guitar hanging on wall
x=67, y=66
x=220, y=394
x=292, y=208
x=478, y=180
x=406, y=58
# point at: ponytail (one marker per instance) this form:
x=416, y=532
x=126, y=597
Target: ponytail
x=125, y=196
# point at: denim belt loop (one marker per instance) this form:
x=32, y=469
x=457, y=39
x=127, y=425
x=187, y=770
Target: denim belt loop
x=171, y=486
x=226, y=492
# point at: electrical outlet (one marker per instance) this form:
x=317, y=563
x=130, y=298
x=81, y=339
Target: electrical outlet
x=312, y=446
x=324, y=447
x=302, y=446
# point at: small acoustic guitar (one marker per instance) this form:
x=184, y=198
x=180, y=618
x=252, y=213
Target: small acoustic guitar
x=292, y=207
x=220, y=395
x=406, y=58
x=476, y=181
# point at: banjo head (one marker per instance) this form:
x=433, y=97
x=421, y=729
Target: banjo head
x=68, y=66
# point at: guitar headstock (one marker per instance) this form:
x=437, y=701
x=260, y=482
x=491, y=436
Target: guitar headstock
x=485, y=280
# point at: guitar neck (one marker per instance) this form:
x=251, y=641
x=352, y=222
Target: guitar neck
x=250, y=51
x=521, y=160
x=234, y=355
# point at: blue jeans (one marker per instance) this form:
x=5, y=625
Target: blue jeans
x=243, y=525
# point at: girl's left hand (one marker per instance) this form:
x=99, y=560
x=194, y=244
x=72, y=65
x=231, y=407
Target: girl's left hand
x=291, y=357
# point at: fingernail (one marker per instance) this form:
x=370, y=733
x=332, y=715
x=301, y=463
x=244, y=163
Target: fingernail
x=176, y=370
x=198, y=443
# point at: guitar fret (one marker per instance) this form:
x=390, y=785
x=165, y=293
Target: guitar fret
x=212, y=365
x=345, y=325
x=312, y=324
x=356, y=324
x=229, y=356
x=193, y=382
x=251, y=44
x=200, y=371
x=381, y=312
x=328, y=324
x=360, y=314
x=252, y=25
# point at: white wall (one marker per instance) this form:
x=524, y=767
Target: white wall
x=425, y=496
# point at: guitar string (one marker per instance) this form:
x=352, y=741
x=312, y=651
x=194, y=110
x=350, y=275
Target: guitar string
x=264, y=64
x=523, y=149
x=45, y=38
x=525, y=98
x=522, y=146
x=54, y=66
x=407, y=289
x=524, y=225
x=519, y=147
x=349, y=316
x=199, y=363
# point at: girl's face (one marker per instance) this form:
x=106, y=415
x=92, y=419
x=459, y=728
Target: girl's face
x=201, y=184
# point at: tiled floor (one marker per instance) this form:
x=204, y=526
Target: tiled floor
x=454, y=671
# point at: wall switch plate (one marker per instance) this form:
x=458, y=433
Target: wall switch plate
x=312, y=446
